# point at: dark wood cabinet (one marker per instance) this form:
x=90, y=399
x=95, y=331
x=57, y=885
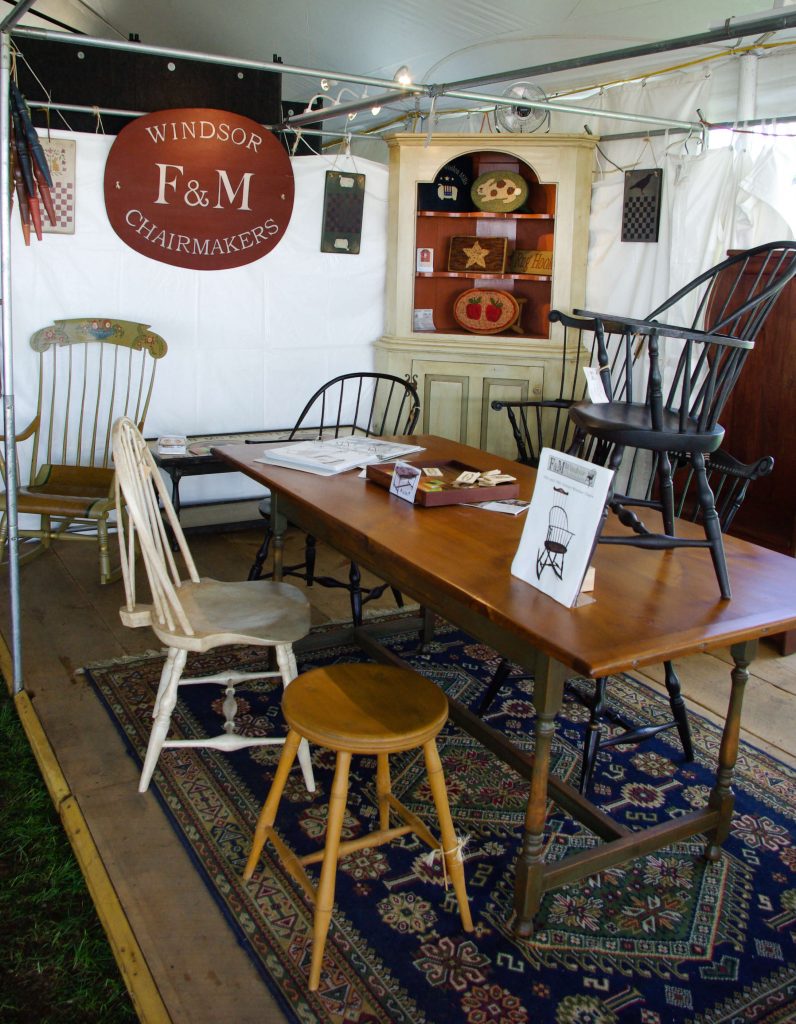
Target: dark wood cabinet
x=760, y=419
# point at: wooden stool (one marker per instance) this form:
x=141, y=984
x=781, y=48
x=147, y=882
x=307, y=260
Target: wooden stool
x=360, y=709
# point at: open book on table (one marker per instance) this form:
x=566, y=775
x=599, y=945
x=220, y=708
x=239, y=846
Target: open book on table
x=336, y=454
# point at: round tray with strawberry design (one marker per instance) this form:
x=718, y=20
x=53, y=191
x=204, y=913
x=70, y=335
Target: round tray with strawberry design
x=485, y=310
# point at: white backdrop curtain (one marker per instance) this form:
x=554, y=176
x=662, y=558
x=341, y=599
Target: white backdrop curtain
x=247, y=346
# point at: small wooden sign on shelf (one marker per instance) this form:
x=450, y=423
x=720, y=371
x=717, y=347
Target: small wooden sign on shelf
x=531, y=261
x=468, y=253
x=425, y=260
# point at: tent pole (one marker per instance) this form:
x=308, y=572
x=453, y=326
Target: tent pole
x=773, y=21
x=9, y=426
x=214, y=58
x=8, y=363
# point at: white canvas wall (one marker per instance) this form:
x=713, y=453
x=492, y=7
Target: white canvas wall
x=246, y=346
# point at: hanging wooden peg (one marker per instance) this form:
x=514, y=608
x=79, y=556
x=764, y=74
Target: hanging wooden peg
x=22, y=197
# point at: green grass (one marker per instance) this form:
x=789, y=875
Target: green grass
x=55, y=963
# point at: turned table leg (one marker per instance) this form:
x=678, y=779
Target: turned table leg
x=278, y=526
x=722, y=797
x=548, y=691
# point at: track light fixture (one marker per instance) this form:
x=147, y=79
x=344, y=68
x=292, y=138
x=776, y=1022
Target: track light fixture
x=403, y=75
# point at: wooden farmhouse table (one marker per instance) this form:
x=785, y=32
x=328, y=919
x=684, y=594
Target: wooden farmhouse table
x=648, y=606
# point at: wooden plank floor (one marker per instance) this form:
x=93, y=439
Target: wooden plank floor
x=199, y=969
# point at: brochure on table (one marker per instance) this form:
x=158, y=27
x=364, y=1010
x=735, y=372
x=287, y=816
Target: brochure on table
x=337, y=454
x=561, y=526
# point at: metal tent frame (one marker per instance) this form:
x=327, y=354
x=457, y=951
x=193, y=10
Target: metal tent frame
x=390, y=89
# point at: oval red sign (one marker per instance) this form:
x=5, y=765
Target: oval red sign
x=202, y=189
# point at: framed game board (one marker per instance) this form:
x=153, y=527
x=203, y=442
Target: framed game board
x=343, y=204
x=641, y=210
x=61, y=157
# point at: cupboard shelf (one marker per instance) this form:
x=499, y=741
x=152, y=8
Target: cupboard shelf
x=474, y=275
x=482, y=215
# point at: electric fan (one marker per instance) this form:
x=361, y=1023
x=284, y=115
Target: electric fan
x=518, y=117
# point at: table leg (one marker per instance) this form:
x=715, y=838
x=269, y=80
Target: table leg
x=278, y=527
x=548, y=690
x=722, y=798
x=176, y=476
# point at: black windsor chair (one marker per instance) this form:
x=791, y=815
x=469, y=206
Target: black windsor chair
x=677, y=410
x=362, y=404
x=752, y=282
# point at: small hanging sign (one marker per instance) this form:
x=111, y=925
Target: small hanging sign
x=343, y=204
x=60, y=154
x=641, y=210
x=198, y=188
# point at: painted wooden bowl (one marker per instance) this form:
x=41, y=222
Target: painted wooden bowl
x=485, y=310
x=499, y=191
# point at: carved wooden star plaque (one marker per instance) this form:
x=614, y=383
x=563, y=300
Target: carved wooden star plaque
x=470, y=254
x=476, y=255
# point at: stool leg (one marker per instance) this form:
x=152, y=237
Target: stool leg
x=268, y=813
x=383, y=790
x=450, y=844
x=324, y=900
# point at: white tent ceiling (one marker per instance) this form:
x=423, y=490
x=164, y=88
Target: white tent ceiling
x=444, y=41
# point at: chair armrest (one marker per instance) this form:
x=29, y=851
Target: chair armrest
x=585, y=321
x=138, y=615
x=26, y=433
x=622, y=323
x=541, y=403
x=722, y=461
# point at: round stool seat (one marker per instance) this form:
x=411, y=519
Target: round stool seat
x=365, y=709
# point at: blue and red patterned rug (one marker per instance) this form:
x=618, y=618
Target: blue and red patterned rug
x=667, y=938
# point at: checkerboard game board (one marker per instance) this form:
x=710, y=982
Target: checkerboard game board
x=641, y=210
x=61, y=157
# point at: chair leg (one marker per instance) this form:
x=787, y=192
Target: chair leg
x=666, y=496
x=594, y=732
x=498, y=679
x=712, y=526
x=310, y=554
x=166, y=699
x=324, y=900
x=451, y=850
x=355, y=590
x=286, y=660
x=429, y=623
x=679, y=710
x=267, y=815
x=104, y=556
x=256, y=570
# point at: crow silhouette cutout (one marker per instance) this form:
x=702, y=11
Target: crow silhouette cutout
x=642, y=183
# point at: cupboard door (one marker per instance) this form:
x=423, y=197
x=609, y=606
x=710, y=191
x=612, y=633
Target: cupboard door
x=456, y=400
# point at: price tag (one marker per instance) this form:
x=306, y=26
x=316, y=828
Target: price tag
x=594, y=385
